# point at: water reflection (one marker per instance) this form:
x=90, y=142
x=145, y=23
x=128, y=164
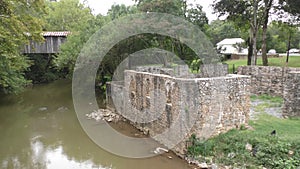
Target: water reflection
x=39, y=130
x=55, y=158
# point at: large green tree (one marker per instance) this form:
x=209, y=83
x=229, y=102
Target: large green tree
x=221, y=29
x=179, y=8
x=67, y=15
x=196, y=15
x=19, y=23
x=175, y=7
x=246, y=14
x=74, y=16
x=71, y=49
x=117, y=11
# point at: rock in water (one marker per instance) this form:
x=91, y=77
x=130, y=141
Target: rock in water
x=43, y=109
x=203, y=165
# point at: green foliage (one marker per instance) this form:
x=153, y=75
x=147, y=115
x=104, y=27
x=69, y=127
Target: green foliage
x=117, y=11
x=221, y=29
x=67, y=15
x=268, y=98
x=279, y=33
x=195, y=65
x=194, y=14
x=12, y=69
x=42, y=69
x=71, y=49
x=292, y=7
x=175, y=7
x=20, y=23
x=71, y=15
x=197, y=16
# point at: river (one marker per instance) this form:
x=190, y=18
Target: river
x=39, y=130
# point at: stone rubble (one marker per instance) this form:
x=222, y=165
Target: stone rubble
x=104, y=114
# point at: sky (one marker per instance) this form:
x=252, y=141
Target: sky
x=102, y=6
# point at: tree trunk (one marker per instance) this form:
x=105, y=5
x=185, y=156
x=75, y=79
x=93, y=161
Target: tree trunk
x=250, y=49
x=254, y=52
x=254, y=33
x=264, y=46
x=289, y=47
x=268, y=5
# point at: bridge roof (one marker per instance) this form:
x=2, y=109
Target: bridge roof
x=63, y=33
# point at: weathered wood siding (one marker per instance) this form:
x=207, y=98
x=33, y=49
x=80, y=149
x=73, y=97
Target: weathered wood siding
x=51, y=45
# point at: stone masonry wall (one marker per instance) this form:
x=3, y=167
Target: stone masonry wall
x=291, y=95
x=267, y=79
x=213, y=70
x=201, y=106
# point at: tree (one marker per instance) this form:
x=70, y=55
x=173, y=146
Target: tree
x=268, y=5
x=180, y=8
x=292, y=21
x=67, y=15
x=74, y=16
x=194, y=14
x=197, y=16
x=175, y=7
x=291, y=7
x=221, y=29
x=117, y=11
x=71, y=49
x=288, y=31
x=244, y=14
x=19, y=24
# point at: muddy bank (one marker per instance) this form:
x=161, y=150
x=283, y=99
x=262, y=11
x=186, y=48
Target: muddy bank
x=125, y=127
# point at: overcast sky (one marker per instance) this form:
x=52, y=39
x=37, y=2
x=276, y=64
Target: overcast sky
x=102, y=6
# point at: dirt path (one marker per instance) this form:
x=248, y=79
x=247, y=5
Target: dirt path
x=261, y=106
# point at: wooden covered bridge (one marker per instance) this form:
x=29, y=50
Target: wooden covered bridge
x=51, y=45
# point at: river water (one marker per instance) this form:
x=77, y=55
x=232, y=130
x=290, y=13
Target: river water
x=39, y=130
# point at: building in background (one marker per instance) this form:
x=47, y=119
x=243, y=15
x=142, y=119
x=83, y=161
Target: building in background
x=232, y=46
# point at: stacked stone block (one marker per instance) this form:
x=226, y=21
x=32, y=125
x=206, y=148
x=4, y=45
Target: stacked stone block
x=268, y=80
x=291, y=107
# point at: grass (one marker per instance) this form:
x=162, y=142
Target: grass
x=268, y=102
x=267, y=98
x=279, y=151
x=294, y=61
x=287, y=129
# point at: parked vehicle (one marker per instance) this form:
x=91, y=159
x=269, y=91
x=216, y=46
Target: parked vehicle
x=272, y=51
x=294, y=50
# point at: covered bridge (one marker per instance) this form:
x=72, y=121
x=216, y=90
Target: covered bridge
x=51, y=45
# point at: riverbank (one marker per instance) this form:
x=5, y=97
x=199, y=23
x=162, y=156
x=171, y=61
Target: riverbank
x=244, y=147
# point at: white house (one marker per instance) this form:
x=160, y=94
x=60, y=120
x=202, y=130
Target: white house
x=231, y=46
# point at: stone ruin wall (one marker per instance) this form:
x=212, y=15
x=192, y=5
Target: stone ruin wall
x=268, y=80
x=291, y=95
x=217, y=104
x=276, y=81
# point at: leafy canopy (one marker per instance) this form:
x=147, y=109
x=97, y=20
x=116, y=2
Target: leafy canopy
x=20, y=23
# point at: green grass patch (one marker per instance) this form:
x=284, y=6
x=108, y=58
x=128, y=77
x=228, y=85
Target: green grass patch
x=279, y=151
x=267, y=98
x=287, y=129
x=294, y=61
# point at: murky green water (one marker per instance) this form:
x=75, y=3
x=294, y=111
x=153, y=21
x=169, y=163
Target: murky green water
x=39, y=129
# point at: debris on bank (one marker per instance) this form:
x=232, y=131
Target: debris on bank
x=104, y=114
